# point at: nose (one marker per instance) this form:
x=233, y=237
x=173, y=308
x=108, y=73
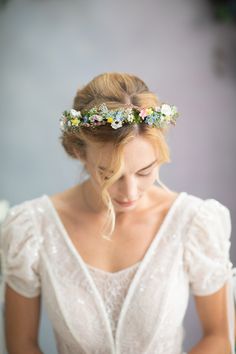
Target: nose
x=128, y=189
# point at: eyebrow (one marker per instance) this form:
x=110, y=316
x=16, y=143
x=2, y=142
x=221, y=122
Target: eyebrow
x=142, y=169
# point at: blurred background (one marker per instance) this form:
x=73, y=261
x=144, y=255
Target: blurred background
x=184, y=50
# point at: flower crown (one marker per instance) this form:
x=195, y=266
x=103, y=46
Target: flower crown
x=156, y=116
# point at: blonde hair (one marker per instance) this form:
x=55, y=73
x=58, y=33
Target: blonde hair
x=116, y=90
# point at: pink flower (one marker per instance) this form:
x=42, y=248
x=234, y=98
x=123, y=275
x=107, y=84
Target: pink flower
x=143, y=113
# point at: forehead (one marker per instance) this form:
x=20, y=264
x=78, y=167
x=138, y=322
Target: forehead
x=137, y=153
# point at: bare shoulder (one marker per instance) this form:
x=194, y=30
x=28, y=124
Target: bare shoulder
x=68, y=204
x=69, y=198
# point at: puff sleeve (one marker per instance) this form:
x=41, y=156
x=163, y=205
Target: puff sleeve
x=20, y=251
x=206, y=251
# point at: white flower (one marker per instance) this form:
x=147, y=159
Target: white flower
x=174, y=110
x=103, y=108
x=99, y=118
x=96, y=117
x=4, y=206
x=129, y=110
x=75, y=113
x=130, y=117
x=161, y=118
x=166, y=109
x=62, y=121
x=116, y=125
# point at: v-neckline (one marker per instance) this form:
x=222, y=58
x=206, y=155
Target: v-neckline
x=113, y=274
x=72, y=247
x=155, y=241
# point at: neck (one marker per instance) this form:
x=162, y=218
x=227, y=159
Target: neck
x=92, y=200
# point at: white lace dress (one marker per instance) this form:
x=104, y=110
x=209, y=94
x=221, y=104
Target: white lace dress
x=137, y=310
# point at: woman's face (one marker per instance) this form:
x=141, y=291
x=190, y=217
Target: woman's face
x=138, y=173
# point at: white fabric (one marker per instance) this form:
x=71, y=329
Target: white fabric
x=113, y=289
x=189, y=252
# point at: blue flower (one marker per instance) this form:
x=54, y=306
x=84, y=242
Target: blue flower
x=85, y=118
x=150, y=120
x=118, y=116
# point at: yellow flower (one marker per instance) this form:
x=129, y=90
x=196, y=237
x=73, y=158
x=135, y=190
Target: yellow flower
x=149, y=111
x=110, y=119
x=75, y=121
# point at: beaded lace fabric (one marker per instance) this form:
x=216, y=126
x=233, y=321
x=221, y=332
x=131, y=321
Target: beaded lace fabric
x=137, y=310
x=113, y=289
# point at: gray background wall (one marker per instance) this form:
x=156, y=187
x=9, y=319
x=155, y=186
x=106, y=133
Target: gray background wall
x=50, y=48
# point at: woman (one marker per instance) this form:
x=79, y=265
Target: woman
x=115, y=255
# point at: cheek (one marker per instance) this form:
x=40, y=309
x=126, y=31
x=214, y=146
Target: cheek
x=95, y=176
x=147, y=182
x=112, y=190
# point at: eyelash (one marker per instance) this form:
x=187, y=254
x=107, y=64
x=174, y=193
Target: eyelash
x=147, y=174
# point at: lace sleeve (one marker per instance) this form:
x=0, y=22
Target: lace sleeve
x=20, y=251
x=206, y=253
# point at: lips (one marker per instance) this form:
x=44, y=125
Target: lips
x=126, y=203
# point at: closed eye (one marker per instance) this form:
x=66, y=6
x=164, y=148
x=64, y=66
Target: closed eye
x=139, y=174
x=144, y=174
